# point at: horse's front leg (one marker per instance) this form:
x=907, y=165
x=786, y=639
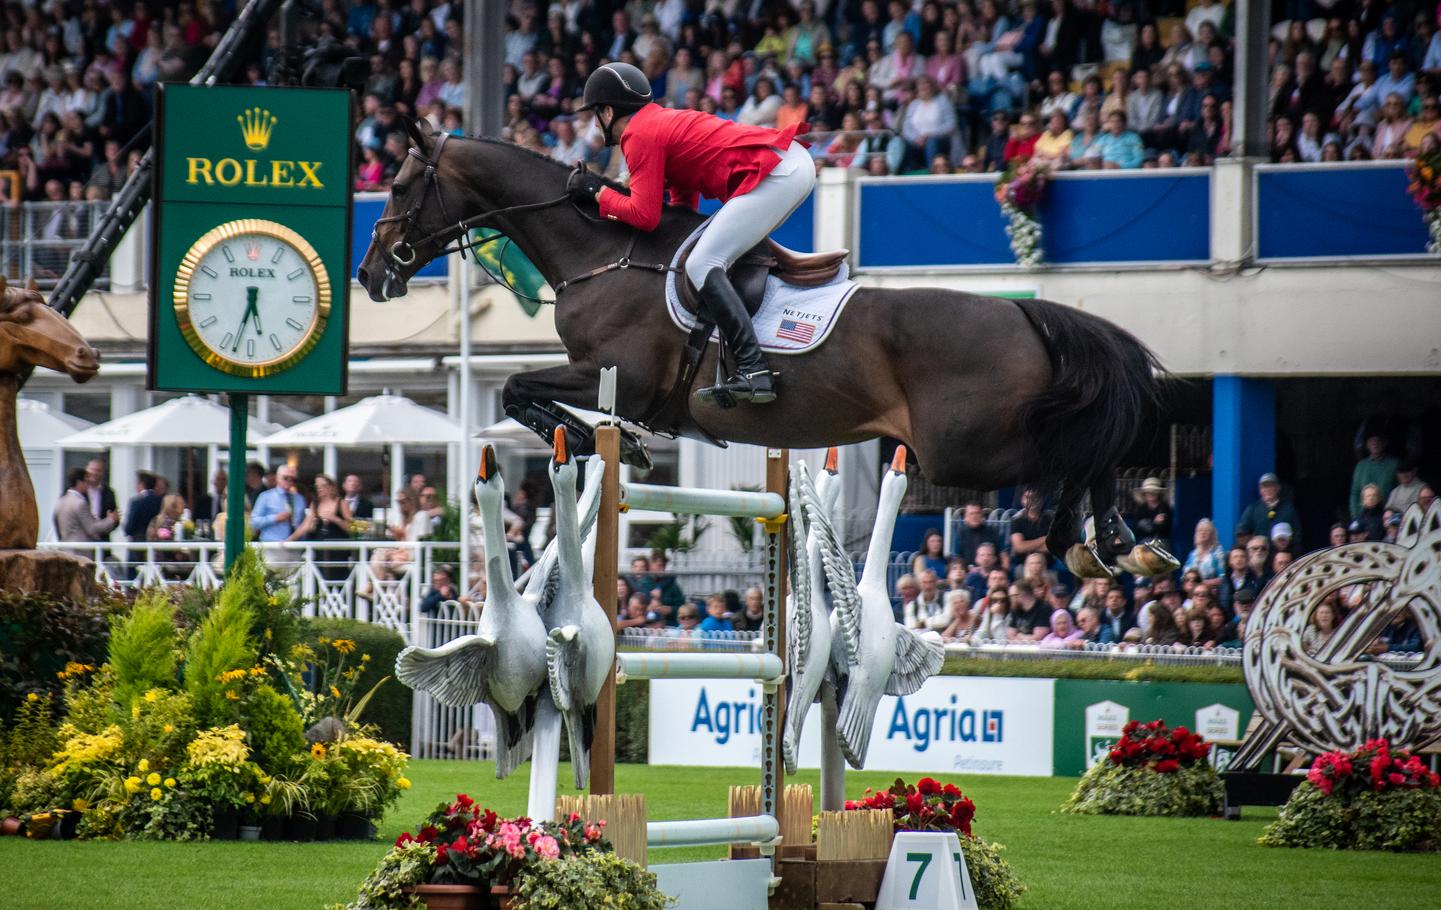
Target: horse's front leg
x=532, y=399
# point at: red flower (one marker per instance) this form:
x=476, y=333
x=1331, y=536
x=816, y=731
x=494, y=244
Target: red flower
x=928, y=786
x=1397, y=779
x=427, y=834
x=488, y=821
x=951, y=790
x=914, y=802
x=1168, y=765
x=1117, y=756
x=442, y=856
x=403, y=839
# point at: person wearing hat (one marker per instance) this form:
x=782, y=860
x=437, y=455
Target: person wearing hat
x=1282, y=538
x=760, y=176
x=1151, y=516
x=1268, y=511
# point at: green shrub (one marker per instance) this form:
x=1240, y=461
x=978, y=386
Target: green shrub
x=994, y=881
x=390, y=708
x=276, y=734
x=1112, y=789
x=40, y=636
x=142, y=648
x=275, y=611
x=31, y=739
x=632, y=722
x=1396, y=819
x=222, y=643
x=578, y=881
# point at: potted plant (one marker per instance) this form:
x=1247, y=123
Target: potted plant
x=576, y=880
x=1151, y=771
x=370, y=775
x=218, y=772
x=281, y=799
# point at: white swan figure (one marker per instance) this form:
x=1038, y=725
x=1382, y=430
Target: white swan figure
x=874, y=655
x=503, y=664
x=580, y=653
x=808, y=633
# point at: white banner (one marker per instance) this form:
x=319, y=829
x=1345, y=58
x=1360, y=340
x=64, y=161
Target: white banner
x=954, y=724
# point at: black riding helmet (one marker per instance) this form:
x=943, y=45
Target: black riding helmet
x=622, y=87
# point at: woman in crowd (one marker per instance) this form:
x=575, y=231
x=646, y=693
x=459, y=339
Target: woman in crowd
x=761, y=108
x=958, y=608
x=1161, y=626
x=388, y=563
x=1321, y=626
x=1193, y=629
x=167, y=527
x=623, y=594
x=993, y=624
x=1219, y=630
x=1084, y=145
x=328, y=518
x=1207, y=556
x=1148, y=52
x=1151, y=516
x=1064, y=634
x=1372, y=516
x=1054, y=145
x=931, y=555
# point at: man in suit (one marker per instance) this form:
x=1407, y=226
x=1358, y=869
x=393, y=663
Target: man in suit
x=359, y=504
x=143, y=506
x=1117, y=618
x=99, y=495
x=73, y=520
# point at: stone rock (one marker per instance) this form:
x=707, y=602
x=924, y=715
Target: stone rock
x=47, y=572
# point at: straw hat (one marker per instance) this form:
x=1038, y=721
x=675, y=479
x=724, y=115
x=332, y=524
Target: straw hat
x=1150, y=485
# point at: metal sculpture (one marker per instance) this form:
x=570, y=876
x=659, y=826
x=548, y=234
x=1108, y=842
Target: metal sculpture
x=808, y=618
x=1337, y=698
x=504, y=663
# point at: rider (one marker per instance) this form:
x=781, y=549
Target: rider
x=759, y=174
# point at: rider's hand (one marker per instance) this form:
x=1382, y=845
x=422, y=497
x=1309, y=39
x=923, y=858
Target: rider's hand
x=583, y=186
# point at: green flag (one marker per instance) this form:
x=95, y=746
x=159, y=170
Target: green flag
x=508, y=265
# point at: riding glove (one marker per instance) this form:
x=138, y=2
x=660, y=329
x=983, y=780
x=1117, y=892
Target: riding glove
x=583, y=185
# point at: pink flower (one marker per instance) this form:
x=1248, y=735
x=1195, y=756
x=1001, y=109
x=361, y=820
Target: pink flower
x=547, y=847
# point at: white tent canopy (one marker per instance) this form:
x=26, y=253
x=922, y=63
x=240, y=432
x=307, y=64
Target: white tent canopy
x=376, y=421
x=42, y=428
x=188, y=421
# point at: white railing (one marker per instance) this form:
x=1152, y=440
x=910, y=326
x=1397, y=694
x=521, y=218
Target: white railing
x=444, y=731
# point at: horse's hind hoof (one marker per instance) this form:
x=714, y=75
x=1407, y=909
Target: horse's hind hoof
x=1148, y=558
x=633, y=451
x=1081, y=559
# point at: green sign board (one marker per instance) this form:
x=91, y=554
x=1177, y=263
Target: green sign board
x=1090, y=714
x=250, y=251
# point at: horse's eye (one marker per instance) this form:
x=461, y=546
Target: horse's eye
x=398, y=189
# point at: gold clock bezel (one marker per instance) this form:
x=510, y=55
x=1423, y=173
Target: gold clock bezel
x=229, y=231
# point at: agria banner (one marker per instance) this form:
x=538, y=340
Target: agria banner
x=954, y=724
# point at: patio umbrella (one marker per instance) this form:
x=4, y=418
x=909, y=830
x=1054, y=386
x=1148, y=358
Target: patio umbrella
x=42, y=427
x=188, y=421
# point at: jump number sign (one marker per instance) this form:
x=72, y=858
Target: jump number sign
x=926, y=871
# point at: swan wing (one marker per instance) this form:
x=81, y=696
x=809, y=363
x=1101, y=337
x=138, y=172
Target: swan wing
x=457, y=673
x=918, y=658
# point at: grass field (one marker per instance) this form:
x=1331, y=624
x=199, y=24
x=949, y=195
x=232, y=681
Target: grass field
x=1066, y=861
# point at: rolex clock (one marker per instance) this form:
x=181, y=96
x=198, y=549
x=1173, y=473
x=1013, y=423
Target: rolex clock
x=251, y=297
x=251, y=240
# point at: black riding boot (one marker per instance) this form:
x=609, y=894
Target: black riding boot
x=753, y=380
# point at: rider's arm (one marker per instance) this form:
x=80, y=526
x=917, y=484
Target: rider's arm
x=689, y=199
x=641, y=209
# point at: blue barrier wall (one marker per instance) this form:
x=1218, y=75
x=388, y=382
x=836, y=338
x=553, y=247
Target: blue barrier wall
x=367, y=210
x=1331, y=212
x=798, y=231
x=1153, y=217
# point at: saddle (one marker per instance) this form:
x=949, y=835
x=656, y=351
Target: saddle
x=749, y=274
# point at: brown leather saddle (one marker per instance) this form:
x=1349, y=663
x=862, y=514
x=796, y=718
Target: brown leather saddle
x=806, y=270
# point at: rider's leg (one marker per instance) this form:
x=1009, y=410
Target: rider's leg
x=737, y=227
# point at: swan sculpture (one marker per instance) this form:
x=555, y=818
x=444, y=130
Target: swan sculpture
x=872, y=654
x=808, y=620
x=580, y=653
x=504, y=663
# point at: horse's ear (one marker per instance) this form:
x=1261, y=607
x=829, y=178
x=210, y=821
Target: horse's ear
x=418, y=137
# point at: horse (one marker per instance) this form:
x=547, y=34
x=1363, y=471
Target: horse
x=985, y=392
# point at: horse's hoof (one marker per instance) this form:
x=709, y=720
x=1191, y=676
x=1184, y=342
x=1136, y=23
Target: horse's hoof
x=1082, y=561
x=1149, y=558
x=633, y=451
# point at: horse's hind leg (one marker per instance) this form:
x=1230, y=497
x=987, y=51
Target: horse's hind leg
x=1113, y=538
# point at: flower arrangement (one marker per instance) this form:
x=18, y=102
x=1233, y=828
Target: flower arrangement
x=1151, y=770
x=219, y=770
x=1425, y=189
x=1019, y=191
x=929, y=805
x=1373, y=798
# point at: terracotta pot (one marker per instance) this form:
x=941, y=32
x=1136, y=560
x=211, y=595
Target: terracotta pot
x=12, y=826
x=451, y=897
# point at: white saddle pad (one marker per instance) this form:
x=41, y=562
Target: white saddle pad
x=791, y=320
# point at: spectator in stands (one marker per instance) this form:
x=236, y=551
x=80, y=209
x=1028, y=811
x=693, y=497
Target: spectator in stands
x=716, y=619
x=1086, y=146
x=1028, y=621
x=1391, y=129
x=1117, y=618
x=1193, y=629
x=1059, y=97
x=993, y=623
x=1029, y=528
x=1144, y=104
x=634, y=615
x=1427, y=124
x=1321, y=625
x=1371, y=515
x=1263, y=514
x=1022, y=144
x=924, y=609
x=978, y=578
x=931, y=555
x=1207, y=556
x=753, y=611
x=688, y=619
x=1035, y=571
x=1258, y=558
x=1181, y=110
x=958, y=615
x=74, y=518
x=671, y=594
x=1406, y=491
x=929, y=122
x=993, y=153
x=1282, y=540
x=1063, y=634
x=972, y=533
x=1151, y=514
x=1377, y=469
x=1161, y=626
x=442, y=589
x=1397, y=79
x=1054, y=145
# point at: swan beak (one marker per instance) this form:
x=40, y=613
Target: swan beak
x=561, y=457
x=489, y=465
x=898, y=463
x=833, y=458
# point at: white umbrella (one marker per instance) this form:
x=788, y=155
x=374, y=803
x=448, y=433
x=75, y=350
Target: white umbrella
x=375, y=421
x=188, y=421
x=42, y=428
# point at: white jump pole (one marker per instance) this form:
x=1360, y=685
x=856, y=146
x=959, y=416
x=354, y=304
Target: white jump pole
x=754, y=829
x=766, y=668
x=692, y=501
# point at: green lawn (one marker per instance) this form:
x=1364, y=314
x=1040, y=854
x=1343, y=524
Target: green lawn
x=1066, y=861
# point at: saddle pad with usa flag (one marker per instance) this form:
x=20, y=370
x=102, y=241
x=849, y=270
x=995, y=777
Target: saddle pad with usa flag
x=791, y=320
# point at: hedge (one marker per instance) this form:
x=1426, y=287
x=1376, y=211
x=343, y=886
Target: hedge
x=390, y=708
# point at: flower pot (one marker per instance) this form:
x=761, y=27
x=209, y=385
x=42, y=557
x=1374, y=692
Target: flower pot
x=68, y=825
x=272, y=827
x=501, y=897
x=451, y=897
x=300, y=827
x=225, y=826
x=12, y=826
x=250, y=832
x=354, y=826
x=325, y=827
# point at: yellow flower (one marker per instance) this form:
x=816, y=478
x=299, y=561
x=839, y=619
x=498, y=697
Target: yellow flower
x=170, y=783
x=132, y=785
x=365, y=658
x=343, y=645
x=230, y=676
x=144, y=765
x=32, y=697
x=334, y=692
x=265, y=800
x=156, y=794
x=318, y=750
x=79, y=805
x=323, y=640
x=403, y=783
x=153, y=779
x=135, y=711
x=231, y=695
x=265, y=780
x=257, y=671
x=249, y=797
x=272, y=600
x=152, y=695
x=168, y=728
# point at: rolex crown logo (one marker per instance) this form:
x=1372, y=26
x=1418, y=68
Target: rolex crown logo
x=255, y=126
x=252, y=249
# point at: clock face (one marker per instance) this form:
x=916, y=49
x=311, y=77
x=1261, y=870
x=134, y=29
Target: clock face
x=252, y=297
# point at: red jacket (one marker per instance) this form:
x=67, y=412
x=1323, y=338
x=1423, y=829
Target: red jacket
x=692, y=154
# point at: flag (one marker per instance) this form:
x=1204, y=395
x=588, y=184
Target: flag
x=795, y=330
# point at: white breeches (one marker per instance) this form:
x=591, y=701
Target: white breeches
x=748, y=219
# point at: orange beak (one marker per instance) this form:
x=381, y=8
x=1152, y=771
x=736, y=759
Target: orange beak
x=560, y=454
x=833, y=458
x=898, y=463
x=489, y=465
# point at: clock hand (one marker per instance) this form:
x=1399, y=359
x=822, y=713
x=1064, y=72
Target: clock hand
x=253, y=295
x=240, y=331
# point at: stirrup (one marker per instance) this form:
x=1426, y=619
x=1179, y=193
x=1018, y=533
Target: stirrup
x=740, y=388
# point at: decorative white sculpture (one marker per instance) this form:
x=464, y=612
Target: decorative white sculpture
x=808, y=618
x=580, y=654
x=1336, y=698
x=504, y=663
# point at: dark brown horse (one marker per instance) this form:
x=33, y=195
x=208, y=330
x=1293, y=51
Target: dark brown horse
x=986, y=392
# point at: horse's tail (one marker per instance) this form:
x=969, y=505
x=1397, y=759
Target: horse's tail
x=1104, y=389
